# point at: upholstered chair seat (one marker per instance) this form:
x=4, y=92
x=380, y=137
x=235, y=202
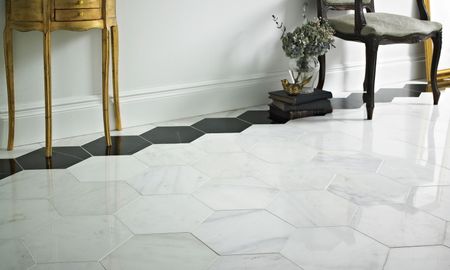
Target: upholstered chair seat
x=344, y=2
x=384, y=24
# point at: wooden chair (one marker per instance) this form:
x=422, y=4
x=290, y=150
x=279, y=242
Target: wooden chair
x=374, y=29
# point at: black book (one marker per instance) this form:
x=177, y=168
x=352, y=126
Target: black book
x=324, y=104
x=301, y=98
x=277, y=114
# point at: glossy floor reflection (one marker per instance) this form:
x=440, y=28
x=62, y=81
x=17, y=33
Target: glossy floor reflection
x=233, y=191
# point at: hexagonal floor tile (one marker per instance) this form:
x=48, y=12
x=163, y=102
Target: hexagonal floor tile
x=221, y=125
x=8, y=167
x=369, y=188
x=447, y=238
x=19, y=217
x=113, y=168
x=348, y=161
x=86, y=199
x=164, y=214
x=254, y=262
x=170, y=155
x=236, y=194
x=400, y=225
x=121, y=146
x=244, y=232
x=434, y=200
x=258, y=118
x=313, y=208
x=334, y=248
x=283, y=152
x=77, y=239
x=162, y=252
x=168, y=180
x=419, y=258
x=14, y=255
x=299, y=177
x=63, y=158
x=69, y=266
x=224, y=143
x=168, y=135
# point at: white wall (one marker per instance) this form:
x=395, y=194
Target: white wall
x=179, y=58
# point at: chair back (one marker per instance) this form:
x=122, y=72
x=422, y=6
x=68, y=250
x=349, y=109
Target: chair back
x=323, y=6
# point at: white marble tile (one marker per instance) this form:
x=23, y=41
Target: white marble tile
x=18, y=151
x=35, y=184
x=225, y=143
x=273, y=132
x=415, y=172
x=299, y=177
x=168, y=180
x=110, y=168
x=419, y=258
x=332, y=141
x=93, y=198
x=254, y=262
x=236, y=193
x=244, y=232
x=132, y=131
x=229, y=165
x=334, y=248
x=313, y=208
x=188, y=121
x=18, y=217
x=352, y=162
x=69, y=266
x=400, y=225
x=369, y=188
x=447, y=236
x=14, y=255
x=162, y=252
x=164, y=214
x=283, y=152
x=76, y=141
x=170, y=154
x=434, y=200
x=77, y=239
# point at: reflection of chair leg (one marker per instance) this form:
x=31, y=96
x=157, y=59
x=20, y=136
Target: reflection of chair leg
x=369, y=81
x=9, y=69
x=48, y=94
x=115, y=68
x=437, y=45
x=322, y=62
x=105, y=81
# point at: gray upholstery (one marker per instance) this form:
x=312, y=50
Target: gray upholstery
x=344, y=2
x=384, y=24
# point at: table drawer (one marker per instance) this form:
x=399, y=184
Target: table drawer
x=67, y=15
x=77, y=4
x=27, y=10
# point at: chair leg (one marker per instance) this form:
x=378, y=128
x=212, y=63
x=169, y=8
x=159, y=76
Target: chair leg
x=48, y=94
x=115, y=68
x=9, y=69
x=437, y=45
x=369, y=81
x=322, y=71
x=105, y=85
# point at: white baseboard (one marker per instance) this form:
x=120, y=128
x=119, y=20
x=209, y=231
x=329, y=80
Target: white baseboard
x=75, y=117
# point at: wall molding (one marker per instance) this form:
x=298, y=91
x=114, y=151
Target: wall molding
x=82, y=115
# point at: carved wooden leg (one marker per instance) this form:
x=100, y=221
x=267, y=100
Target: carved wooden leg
x=369, y=81
x=115, y=69
x=105, y=81
x=48, y=94
x=437, y=45
x=9, y=69
x=322, y=62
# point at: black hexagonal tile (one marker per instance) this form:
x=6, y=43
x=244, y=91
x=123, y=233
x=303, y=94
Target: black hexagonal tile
x=8, y=167
x=121, y=146
x=386, y=95
x=168, y=135
x=258, y=118
x=353, y=101
x=62, y=158
x=221, y=125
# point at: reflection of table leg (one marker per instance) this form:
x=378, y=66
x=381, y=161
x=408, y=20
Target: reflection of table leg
x=48, y=94
x=115, y=73
x=105, y=79
x=9, y=69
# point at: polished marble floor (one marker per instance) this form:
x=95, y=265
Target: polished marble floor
x=234, y=191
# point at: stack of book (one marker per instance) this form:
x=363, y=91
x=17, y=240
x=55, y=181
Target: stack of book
x=285, y=107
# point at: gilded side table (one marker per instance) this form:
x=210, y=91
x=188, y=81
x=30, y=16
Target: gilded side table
x=74, y=15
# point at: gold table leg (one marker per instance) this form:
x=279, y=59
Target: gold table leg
x=115, y=69
x=105, y=81
x=9, y=69
x=48, y=94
